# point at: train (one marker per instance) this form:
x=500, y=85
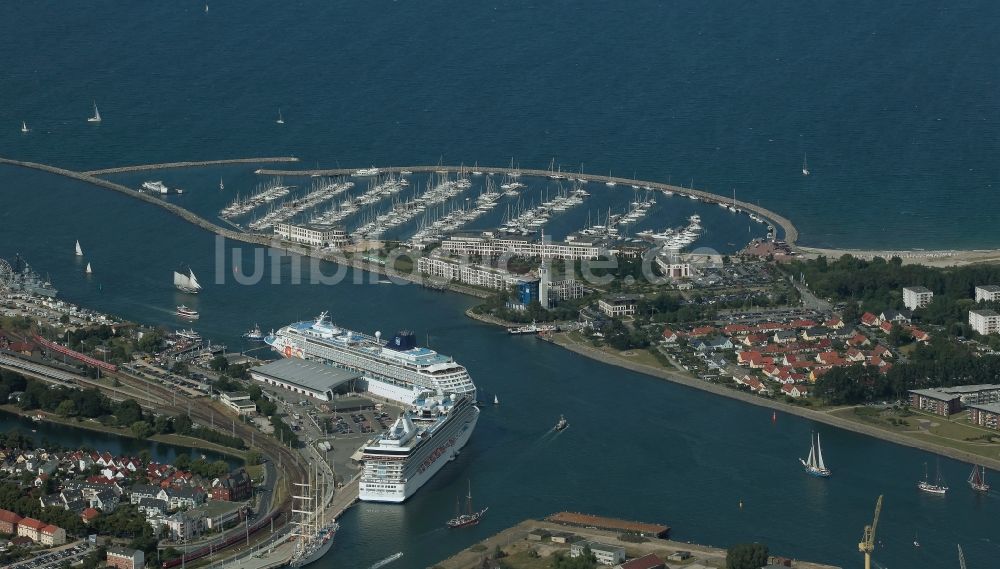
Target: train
x=217, y=546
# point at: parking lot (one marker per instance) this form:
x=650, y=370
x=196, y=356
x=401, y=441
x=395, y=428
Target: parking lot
x=53, y=559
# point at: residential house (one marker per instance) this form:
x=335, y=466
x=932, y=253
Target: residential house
x=785, y=336
x=605, y=554
x=795, y=391
x=124, y=558
x=233, y=487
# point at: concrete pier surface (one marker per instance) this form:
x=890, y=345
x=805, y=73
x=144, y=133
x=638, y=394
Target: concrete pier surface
x=191, y=164
x=791, y=234
x=515, y=543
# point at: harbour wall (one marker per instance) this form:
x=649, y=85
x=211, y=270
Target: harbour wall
x=191, y=164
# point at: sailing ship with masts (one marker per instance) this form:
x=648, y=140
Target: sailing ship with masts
x=937, y=487
x=814, y=464
x=470, y=517
x=313, y=532
x=186, y=282
x=977, y=480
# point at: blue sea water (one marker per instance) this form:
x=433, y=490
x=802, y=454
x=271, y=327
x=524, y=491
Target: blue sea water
x=894, y=102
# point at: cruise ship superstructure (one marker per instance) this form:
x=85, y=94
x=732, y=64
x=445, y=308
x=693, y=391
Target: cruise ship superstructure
x=398, y=370
x=422, y=440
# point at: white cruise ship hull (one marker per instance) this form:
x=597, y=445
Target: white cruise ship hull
x=446, y=444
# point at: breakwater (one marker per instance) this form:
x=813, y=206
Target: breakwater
x=789, y=231
x=190, y=164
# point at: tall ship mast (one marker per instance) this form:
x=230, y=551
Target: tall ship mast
x=313, y=533
x=977, y=480
x=398, y=370
x=814, y=464
x=422, y=440
x=469, y=517
x=186, y=283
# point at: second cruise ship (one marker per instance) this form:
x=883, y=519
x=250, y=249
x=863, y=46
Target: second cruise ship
x=398, y=370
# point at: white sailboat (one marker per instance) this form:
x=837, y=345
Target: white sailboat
x=814, y=464
x=97, y=114
x=221, y=185
x=937, y=487
x=805, y=166
x=24, y=127
x=79, y=250
x=88, y=270
x=496, y=399
x=280, y=119
x=186, y=283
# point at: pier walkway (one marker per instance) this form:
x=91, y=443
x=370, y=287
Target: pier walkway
x=791, y=234
x=191, y=164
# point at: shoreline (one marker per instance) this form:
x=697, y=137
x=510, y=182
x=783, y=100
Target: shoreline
x=93, y=426
x=803, y=412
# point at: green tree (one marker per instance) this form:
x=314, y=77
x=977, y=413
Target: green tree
x=219, y=363
x=746, y=556
x=141, y=430
x=183, y=461
x=67, y=408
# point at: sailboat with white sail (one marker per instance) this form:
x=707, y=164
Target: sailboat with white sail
x=97, y=114
x=186, y=283
x=280, y=120
x=79, y=250
x=805, y=166
x=24, y=127
x=221, y=185
x=977, y=480
x=814, y=464
x=89, y=270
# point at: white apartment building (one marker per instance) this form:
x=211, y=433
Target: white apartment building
x=915, y=297
x=987, y=293
x=984, y=321
x=315, y=234
x=489, y=246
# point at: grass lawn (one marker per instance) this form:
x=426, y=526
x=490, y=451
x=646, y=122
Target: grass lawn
x=953, y=432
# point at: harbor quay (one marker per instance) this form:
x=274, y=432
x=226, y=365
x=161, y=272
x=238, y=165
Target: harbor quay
x=614, y=543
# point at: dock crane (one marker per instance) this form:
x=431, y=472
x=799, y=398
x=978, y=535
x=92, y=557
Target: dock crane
x=867, y=544
x=961, y=557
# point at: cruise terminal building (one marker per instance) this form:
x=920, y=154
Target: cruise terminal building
x=306, y=378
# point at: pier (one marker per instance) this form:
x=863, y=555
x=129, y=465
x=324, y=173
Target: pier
x=791, y=234
x=190, y=164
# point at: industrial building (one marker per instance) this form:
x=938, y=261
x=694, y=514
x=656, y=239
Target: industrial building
x=305, y=377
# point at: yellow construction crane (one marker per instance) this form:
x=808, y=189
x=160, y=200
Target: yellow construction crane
x=867, y=545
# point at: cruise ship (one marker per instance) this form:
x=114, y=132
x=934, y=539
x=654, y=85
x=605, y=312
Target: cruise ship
x=422, y=440
x=398, y=370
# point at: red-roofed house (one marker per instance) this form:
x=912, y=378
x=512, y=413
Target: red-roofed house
x=885, y=327
x=702, y=331
x=650, y=561
x=920, y=336
x=830, y=358
x=858, y=340
x=89, y=515
x=855, y=355
x=52, y=535
x=736, y=329
x=881, y=351
x=834, y=323
x=30, y=528
x=669, y=336
x=795, y=391
x=803, y=324
x=770, y=327
x=869, y=319
x=756, y=339
x=8, y=522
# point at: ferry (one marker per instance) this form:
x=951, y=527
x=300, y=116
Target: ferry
x=423, y=439
x=532, y=329
x=366, y=172
x=396, y=370
x=185, y=312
